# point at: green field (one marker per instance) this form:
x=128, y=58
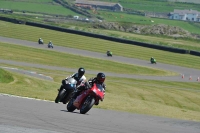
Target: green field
x=138, y=5
x=39, y=6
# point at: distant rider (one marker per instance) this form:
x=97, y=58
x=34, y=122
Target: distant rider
x=50, y=43
x=153, y=60
x=109, y=53
x=40, y=40
x=79, y=77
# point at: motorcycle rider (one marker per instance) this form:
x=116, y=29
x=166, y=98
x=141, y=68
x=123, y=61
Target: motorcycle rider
x=79, y=77
x=50, y=44
x=108, y=52
x=152, y=60
x=99, y=79
x=40, y=40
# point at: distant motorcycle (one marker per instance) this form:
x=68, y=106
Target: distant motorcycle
x=50, y=45
x=40, y=41
x=109, y=53
x=153, y=61
x=85, y=101
x=64, y=95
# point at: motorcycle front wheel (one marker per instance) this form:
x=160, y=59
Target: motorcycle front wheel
x=67, y=97
x=70, y=106
x=87, y=105
x=60, y=96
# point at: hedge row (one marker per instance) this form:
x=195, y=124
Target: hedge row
x=165, y=48
x=196, y=53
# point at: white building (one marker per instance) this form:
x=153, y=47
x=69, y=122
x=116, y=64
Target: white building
x=189, y=15
x=76, y=17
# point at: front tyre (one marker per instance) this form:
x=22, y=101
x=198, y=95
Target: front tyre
x=67, y=97
x=60, y=96
x=87, y=105
x=70, y=106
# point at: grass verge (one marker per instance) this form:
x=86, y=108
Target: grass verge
x=5, y=77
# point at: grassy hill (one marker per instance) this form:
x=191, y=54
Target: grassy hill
x=39, y=6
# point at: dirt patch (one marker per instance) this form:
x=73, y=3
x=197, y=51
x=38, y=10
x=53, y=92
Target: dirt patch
x=14, y=81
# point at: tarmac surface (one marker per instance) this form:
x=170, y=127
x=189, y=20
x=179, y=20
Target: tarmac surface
x=22, y=115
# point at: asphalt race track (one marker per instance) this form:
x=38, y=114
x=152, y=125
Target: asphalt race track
x=20, y=115
x=24, y=115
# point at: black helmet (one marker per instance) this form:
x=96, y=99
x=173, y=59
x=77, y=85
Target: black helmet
x=101, y=77
x=81, y=72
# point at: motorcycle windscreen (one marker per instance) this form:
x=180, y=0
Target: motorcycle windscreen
x=79, y=99
x=99, y=90
x=71, y=81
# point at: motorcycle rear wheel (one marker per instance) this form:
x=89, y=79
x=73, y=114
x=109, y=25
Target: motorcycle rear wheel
x=87, y=105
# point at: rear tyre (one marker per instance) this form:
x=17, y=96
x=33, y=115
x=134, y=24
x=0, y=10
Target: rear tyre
x=70, y=106
x=87, y=105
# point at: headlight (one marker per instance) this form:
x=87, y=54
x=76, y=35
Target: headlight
x=72, y=85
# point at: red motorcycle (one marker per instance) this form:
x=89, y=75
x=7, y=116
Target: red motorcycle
x=87, y=99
